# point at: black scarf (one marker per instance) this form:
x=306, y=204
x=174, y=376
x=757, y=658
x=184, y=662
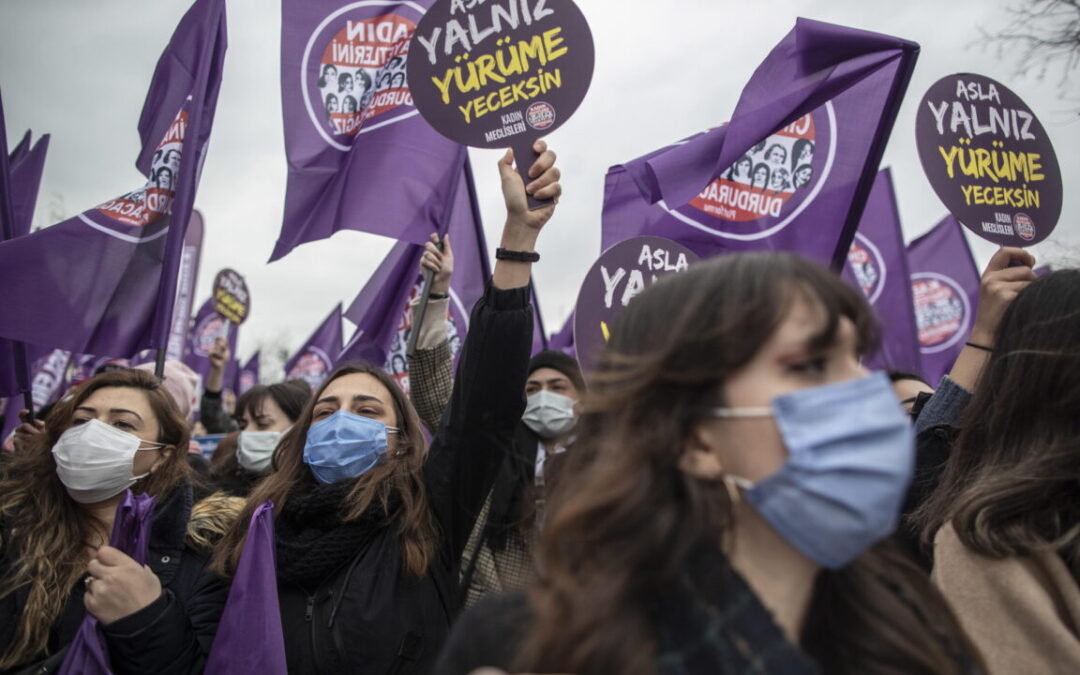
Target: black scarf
x=312, y=539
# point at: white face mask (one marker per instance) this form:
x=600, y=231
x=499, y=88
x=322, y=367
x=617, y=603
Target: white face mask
x=548, y=414
x=256, y=449
x=95, y=460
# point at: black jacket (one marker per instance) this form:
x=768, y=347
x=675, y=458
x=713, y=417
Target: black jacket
x=369, y=617
x=173, y=634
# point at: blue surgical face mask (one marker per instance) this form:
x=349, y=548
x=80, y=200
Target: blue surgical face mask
x=344, y=446
x=851, y=459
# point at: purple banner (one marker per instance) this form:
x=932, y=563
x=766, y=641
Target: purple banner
x=564, y=339
x=247, y=376
x=185, y=288
x=360, y=155
x=47, y=384
x=26, y=171
x=381, y=309
x=792, y=169
x=104, y=282
x=945, y=290
x=314, y=361
x=877, y=265
x=207, y=327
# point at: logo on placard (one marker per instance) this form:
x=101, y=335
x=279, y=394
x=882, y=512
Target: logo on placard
x=353, y=69
x=769, y=186
x=540, y=115
x=1025, y=226
x=313, y=366
x=942, y=311
x=868, y=266
x=208, y=330
x=152, y=201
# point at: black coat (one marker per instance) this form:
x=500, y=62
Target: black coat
x=171, y=635
x=368, y=616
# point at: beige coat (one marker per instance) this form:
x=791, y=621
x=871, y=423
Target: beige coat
x=1023, y=613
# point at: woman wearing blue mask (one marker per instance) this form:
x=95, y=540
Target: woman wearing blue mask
x=370, y=520
x=734, y=473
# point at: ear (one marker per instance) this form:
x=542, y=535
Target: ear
x=166, y=453
x=699, y=459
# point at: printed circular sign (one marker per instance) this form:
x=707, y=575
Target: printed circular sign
x=353, y=71
x=621, y=272
x=209, y=329
x=942, y=311
x=767, y=188
x=500, y=73
x=868, y=266
x=989, y=159
x=231, y=297
x=397, y=362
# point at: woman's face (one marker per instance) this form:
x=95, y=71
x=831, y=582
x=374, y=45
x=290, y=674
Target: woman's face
x=805, y=154
x=779, y=179
x=265, y=415
x=753, y=448
x=802, y=176
x=129, y=410
x=761, y=176
x=776, y=155
x=360, y=394
x=331, y=104
x=742, y=168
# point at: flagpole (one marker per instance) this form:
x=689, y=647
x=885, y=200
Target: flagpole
x=7, y=232
x=429, y=275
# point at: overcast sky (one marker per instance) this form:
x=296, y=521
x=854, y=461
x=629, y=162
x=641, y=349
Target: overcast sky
x=79, y=70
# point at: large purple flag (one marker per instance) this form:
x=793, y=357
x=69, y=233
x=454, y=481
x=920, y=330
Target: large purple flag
x=877, y=265
x=314, y=361
x=104, y=282
x=249, y=636
x=381, y=309
x=945, y=289
x=360, y=156
x=185, y=288
x=207, y=327
x=26, y=170
x=247, y=376
x=792, y=169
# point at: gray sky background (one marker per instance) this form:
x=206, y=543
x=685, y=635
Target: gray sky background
x=79, y=70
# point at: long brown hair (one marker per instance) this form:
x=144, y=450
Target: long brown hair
x=401, y=478
x=625, y=520
x=1010, y=485
x=49, y=529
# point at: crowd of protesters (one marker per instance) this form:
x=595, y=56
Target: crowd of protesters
x=731, y=491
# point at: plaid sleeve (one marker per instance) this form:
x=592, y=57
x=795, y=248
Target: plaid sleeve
x=431, y=381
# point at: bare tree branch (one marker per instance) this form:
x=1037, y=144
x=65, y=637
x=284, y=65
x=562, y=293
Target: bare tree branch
x=1043, y=36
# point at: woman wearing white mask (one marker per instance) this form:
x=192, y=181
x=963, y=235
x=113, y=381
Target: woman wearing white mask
x=116, y=431
x=733, y=474
x=264, y=413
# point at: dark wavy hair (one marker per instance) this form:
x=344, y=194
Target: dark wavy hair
x=399, y=480
x=625, y=519
x=1010, y=485
x=49, y=528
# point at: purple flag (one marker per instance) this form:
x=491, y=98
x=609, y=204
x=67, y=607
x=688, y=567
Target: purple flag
x=794, y=166
x=564, y=339
x=945, y=290
x=185, y=288
x=48, y=381
x=877, y=265
x=540, y=338
x=360, y=156
x=26, y=171
x=88, y=654
x=381, y=309
x=248, y=376
x=207, y=327
x=104, y=281
x=249, y=636
x=314, y=361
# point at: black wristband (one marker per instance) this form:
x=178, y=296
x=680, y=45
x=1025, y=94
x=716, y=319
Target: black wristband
x=517, y=256
x=978, y=346
x=438, y=296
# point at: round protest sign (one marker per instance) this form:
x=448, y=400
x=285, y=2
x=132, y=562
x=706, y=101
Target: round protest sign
x=500, y=73
x=231, y=298
x=989, y=159
x=622, y=271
